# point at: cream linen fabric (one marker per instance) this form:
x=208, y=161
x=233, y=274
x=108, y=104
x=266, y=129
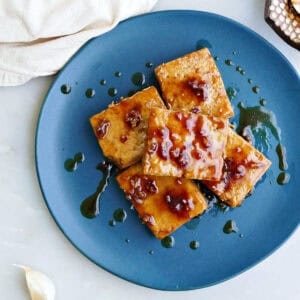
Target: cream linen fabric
x=37, y=37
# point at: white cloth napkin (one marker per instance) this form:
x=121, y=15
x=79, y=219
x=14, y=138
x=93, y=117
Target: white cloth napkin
x=37, y=37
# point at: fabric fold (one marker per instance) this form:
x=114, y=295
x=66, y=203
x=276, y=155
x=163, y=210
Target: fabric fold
x=38, y=37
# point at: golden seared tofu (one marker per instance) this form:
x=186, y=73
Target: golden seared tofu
x=121, y=129
x=163, y=203
x=243, y=167
x=193, y=82
x=184, y=144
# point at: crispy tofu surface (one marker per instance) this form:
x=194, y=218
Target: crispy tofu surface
x=243, y=167
x=121, y=129
x=183, y=144
x=163, y=203
x=194, y=83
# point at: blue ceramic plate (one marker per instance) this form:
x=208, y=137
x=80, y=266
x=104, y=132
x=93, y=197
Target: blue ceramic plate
x=265, y=220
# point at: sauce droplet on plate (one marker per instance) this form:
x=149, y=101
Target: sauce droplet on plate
x=112, y=223
x=79, y=157
x=194, y=245
x=149, y=64
x=120, y=215
x=283, y=178
x=91, y=205
x=138, y=79
x=65, y=89
x=112, y=92
x=230, y=227
x=255, y=117
x=229, y=62
x=281, y=153
x=90, y=93
x=70, y=165
x=168, y=242
x=231, y=92
x=262, y=102
x=255, y=89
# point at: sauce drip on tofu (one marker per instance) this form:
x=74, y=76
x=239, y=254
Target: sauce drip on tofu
x=123, y=138
x=195, y=110
x=234, y=169
x=179, y=202
x=164, y=146
x=199, y=88
x=91, y=205
x=133, y=118
x=190, y=140
x=102, y=128
x=140, y=187
x=149, y=219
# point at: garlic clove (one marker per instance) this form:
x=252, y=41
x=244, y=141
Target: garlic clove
x=39, y=285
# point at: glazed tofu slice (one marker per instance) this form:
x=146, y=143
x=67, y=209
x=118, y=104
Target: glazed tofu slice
x=163, y=203
x=121, y=129
x=183, y=144
x=194, y=83
x=243, y=167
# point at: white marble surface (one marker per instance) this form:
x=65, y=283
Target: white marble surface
x=28, y=235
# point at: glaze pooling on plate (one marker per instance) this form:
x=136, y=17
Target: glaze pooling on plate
x=68, y=115
x=71, y=163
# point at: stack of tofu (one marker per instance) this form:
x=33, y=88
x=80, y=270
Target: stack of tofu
x=162, y=146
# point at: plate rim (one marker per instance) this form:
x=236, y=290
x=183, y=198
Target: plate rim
x=57, y=76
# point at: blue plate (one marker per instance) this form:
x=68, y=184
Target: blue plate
x=266, y=219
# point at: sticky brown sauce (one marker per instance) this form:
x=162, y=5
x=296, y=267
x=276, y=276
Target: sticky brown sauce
x=102, y=128
x=199, y=88
x=235, y=169
x=141, y=187
x=179, y=202
x=167, y=145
